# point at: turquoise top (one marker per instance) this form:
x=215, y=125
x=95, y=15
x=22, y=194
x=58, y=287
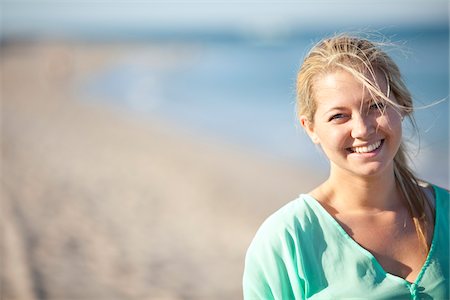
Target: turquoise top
x=301, y=252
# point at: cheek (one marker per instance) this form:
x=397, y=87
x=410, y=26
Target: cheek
x=390, y=123
x=334, y=138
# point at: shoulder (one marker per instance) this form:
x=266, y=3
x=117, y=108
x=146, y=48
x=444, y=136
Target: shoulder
x=442, y=202
x=434, y=193
x=285, y=226
x=273, y=259
x=440, y=194
x=440, y=190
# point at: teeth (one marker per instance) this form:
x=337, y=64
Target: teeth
x=366, y=149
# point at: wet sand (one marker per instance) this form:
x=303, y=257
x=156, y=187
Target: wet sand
x=98, y=204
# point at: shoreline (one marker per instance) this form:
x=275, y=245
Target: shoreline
x=104, y=205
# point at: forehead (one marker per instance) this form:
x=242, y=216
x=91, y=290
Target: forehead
x=341, y=87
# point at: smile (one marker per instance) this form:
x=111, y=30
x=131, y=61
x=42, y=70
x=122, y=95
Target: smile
x=366, y=149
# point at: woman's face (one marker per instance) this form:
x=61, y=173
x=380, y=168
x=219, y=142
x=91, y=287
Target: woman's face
x=354, y=134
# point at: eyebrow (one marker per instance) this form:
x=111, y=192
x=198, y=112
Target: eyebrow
x=367, y=101
x=334, y=108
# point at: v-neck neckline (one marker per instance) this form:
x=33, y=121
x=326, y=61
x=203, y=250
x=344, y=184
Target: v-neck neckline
x=370, y=255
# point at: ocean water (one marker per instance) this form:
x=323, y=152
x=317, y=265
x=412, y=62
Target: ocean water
x=242, y=90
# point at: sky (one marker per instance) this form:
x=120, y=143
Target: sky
x=38, y=16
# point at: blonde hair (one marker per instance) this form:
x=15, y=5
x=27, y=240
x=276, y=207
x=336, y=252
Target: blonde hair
x=363, y=58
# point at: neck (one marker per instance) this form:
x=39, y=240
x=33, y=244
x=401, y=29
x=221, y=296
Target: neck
x=357, y=193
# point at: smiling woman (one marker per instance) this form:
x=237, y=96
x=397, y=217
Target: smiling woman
x=351, y=102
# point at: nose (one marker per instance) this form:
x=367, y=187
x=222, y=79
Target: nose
x=363, y=126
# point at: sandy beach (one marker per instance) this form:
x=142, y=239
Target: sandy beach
x=99, y=204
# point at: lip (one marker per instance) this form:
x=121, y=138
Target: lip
x=366, y=154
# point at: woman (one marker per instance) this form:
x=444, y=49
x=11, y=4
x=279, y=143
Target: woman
x=372, y=229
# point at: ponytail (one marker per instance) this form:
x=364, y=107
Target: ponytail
x=414, y=195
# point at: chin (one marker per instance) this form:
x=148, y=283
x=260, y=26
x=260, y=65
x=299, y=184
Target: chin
x=376, y=169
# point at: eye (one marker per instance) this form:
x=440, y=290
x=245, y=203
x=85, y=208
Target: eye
x=336, y=117
x=377, y=105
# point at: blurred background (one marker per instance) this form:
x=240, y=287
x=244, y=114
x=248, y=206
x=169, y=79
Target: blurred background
x=144, y=142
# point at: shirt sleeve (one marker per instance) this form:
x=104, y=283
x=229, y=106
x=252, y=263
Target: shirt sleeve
x=271, y=271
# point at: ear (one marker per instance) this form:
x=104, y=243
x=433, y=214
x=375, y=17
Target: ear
x=308, y=126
